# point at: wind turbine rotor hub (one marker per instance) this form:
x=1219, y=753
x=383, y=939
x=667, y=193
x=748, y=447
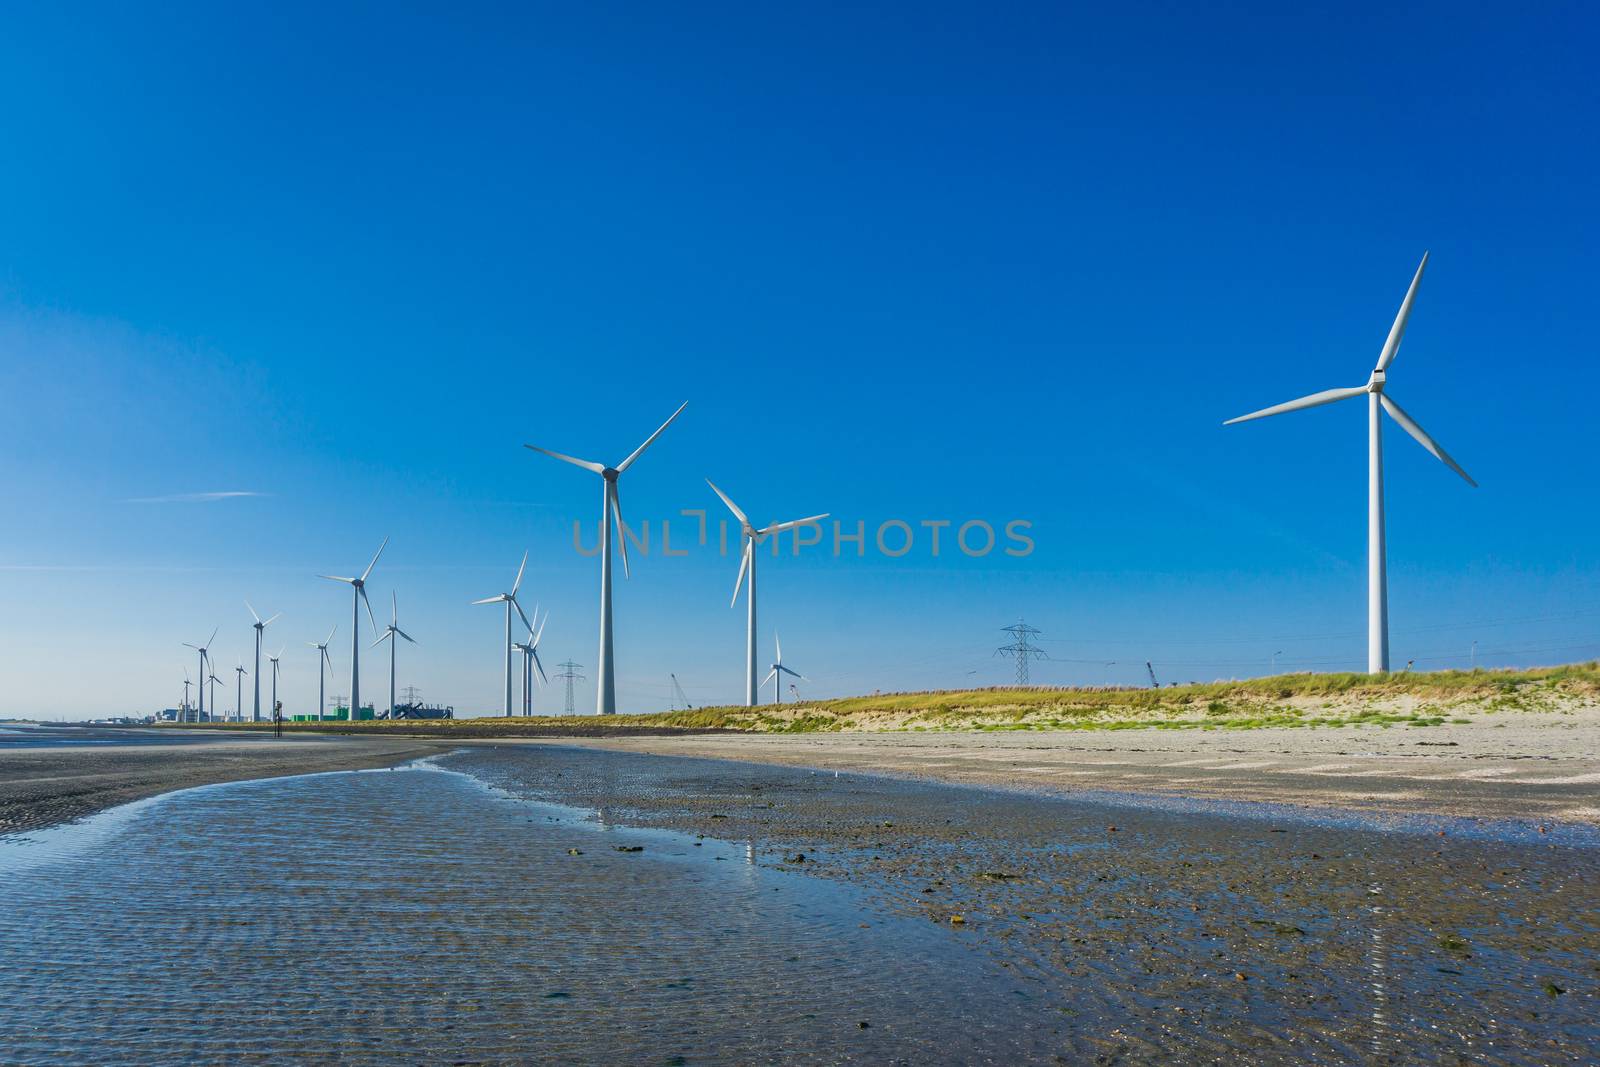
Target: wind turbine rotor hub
x=610, y=474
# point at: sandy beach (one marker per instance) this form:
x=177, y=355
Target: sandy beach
x=1513, y=765
x=90, y=770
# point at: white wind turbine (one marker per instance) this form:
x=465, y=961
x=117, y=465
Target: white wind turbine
x=274, y=661
x=200, y=713
x=778, y=671
x=1377, y=578
x=324, y=665
x=389, y=635
x=255, y=714
x=530, y=662
x=238, y=693
x=510, y=601
x=359, y=585
x=751, y=537
x=214, y=680
x=610, y=507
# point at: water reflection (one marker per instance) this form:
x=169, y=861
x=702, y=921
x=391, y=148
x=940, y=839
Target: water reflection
x=417, y=916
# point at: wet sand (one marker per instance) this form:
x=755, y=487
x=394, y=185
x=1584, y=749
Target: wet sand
x=413, y=916
x=1525, y=766
x=1190, y=934
x=552, y=903
x=67, y=774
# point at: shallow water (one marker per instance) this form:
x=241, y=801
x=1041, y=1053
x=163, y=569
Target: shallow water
x=419, y=915
x=44, y=735
x=436, y=913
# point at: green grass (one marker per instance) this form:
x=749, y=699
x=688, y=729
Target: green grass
x=1292, y=700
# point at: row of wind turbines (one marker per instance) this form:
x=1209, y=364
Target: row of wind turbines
x=1379, y=403
x=532, y=666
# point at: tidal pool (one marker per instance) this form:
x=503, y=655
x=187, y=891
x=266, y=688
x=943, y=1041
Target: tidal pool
x=416, y=915
x=543, y=904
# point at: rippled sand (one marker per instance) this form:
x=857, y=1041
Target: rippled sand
x=417, y=916
x=526, y=904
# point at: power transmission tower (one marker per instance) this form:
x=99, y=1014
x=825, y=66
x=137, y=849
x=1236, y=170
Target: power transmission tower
x=1021, y=647
x=411, y=694
x=569, y=671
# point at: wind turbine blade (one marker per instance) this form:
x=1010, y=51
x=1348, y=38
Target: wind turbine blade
x=744, y=564
x=330, y=633
x=380, y=640
x=335, y=578
x=405, y=635
x=534, y=652
x=197, y=648
x=535, y=641
x=253, y=614
x=598, y=468
x=363, y=591
x=625, y=464
x=1392, y=346
x=518, y=606
x=1409, y=425
x=274, y=619
x=782, y=526
x=491, y=599
x=616, y=513
x=366, y=573
x=777, y=646
x=213, y=637
x=770, y=676
x=795, y=674
x=1327, y=396
x=731, y=505
x=520, y=568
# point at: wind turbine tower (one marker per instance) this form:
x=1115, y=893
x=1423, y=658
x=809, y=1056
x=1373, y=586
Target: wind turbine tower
x=214, y=680
x=1378, y=401
x=324, y=665
x=238, y=693
x=778, y=671
x=358, y=597
x=530, y=662
x=510, y=601
x=610, y=508
x=274, y=661
x=200, y=714
x=389, y=635
x=255, y=714
x=750, y=537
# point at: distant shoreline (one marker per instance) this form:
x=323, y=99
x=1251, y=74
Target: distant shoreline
x=44, y=786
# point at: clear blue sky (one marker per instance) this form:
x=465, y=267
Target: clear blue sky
x=927, y=262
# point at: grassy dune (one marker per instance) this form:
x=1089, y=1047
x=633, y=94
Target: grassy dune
x=1307, y=700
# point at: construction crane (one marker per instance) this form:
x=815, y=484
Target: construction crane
x=1153, y=683
x=678, y=696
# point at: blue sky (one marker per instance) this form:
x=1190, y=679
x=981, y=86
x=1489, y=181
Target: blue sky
x=918, y=263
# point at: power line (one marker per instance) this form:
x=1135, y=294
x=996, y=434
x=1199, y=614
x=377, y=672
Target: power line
x=1021, y=648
